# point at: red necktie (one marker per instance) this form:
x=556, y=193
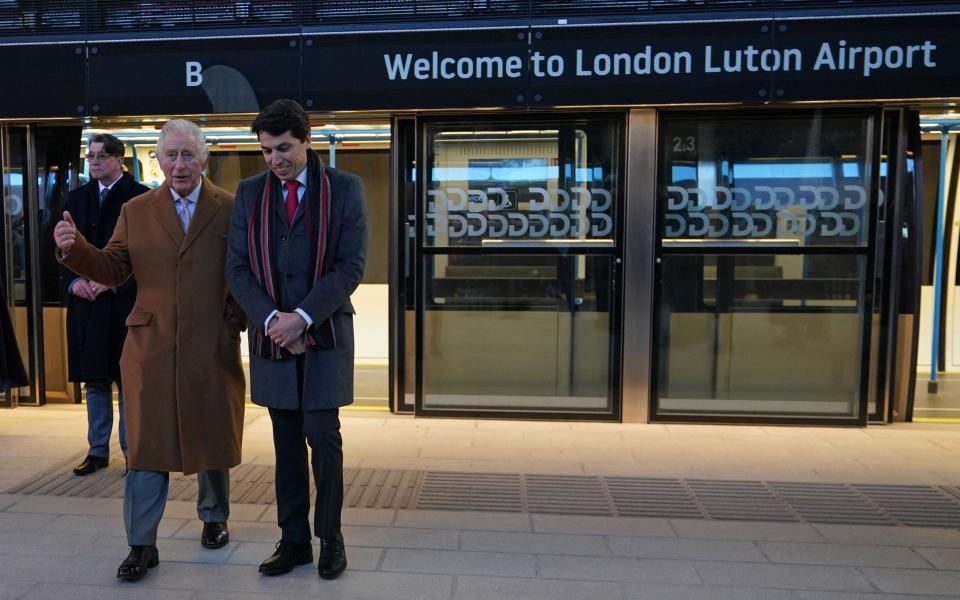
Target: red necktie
x=291, y=200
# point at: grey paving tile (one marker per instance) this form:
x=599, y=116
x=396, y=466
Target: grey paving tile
x=646, y=591
x=487, y=588
x=448, y=562
x=190, y=551
x=741, y=530
x=639, y=547
x=616, y=569
x=942, y=558
x=77, y=570
x=8, y=500
x=223, y=578
x=601, y=525
x=452, y=519
x=866, y=596
x=382, y=517
x=373, y=586
x=890, y=536
x=14, y=590
x=86, y=524
x=69, y=505
x=207, y=595
x=43, y=544
x=14, y=521
x=843, y=554
x=535, y=543
x=908, y=581
x=797, y=577
x=396, y=537
x=254, y=553
x=55, y=591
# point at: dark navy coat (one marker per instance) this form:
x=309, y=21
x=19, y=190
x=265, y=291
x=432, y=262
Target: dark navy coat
x=96, y=330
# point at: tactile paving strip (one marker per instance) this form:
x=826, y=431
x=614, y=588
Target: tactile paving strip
x=777, y=501
x=249, y=484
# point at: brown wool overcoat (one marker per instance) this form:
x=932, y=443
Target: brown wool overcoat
x=183, y=383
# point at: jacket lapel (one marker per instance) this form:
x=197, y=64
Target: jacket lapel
x=163, y=210
x=207, y=206
x=279, y=202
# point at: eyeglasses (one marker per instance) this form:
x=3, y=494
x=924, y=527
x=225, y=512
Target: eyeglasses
x=99, y=157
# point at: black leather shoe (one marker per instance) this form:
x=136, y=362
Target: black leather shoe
x=135, y=565
x=287, y=556
x=333, y=557
x=215, y=535
x=90, y=464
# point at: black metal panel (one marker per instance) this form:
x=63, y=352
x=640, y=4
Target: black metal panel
x=124, y=15
x=325, y=12
x=931, y=43
x=192, y=76
x=380, y=70
x=644, y=64
x=94, y=17
x=42, y=81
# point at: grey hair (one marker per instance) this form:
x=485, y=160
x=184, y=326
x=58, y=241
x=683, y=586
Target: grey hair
x=188, y=129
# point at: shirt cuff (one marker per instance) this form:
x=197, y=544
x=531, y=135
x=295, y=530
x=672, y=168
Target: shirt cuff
x=71, y=284
x=305, y=316
x=266, y=322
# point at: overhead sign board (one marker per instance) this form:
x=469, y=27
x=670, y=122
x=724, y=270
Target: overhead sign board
x=757, y=61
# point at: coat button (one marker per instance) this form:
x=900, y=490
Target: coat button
x=283, y=238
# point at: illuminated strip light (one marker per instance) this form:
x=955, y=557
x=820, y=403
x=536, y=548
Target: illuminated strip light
x=598, y=243
x=772, y=242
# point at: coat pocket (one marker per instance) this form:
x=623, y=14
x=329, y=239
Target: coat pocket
x=138, y=318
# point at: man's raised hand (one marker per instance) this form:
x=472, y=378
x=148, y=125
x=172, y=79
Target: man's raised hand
x=65, y=233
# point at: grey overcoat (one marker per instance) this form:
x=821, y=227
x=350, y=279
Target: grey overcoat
x=328, y=373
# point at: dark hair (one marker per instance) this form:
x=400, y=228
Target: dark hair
x=280, y=117
x=111, y=145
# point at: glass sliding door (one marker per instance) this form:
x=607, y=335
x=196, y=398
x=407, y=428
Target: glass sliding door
x=39, y=164
x=518, y=267
x=763, y=266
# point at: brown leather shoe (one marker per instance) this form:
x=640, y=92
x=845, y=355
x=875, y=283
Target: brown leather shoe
x=90, y=464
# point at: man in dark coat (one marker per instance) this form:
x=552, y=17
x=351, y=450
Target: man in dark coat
x=96, y=312
x=295, y=253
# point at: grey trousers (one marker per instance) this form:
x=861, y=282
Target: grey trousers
x=145, y=495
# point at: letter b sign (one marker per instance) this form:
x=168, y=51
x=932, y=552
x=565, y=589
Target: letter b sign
x=194, y=73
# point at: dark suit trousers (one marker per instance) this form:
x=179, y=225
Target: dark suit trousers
x=320, y=429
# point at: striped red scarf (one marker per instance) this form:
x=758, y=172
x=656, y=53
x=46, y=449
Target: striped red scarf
x=316, y=208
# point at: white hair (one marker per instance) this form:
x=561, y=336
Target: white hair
x=188, y=129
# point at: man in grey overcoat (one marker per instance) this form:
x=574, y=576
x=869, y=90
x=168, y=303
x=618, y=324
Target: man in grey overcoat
x=295, y=252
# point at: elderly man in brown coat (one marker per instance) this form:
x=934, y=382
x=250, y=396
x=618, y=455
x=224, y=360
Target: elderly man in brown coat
x=180, y=366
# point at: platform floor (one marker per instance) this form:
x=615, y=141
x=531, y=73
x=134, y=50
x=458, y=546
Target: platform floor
x=55, y=545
